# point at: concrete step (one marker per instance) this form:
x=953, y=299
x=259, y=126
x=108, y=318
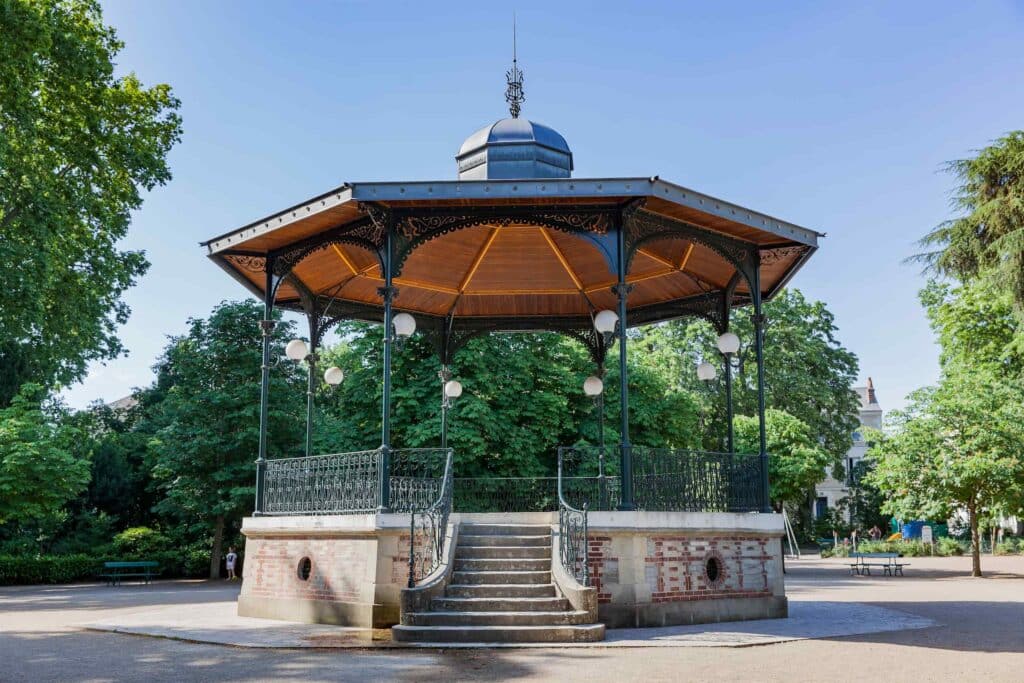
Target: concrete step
x=504, y=540
x=539, y=590
x=464, y=552
x=499, y=634
x=503, y=564
x=480, y=618
x=517, y=577
x=542, y=604
x=505, y=529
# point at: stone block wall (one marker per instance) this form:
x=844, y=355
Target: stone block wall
x=657, y=569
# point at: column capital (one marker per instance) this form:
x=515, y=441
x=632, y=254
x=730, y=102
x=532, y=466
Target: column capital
x=389, y=293
x=622, y=289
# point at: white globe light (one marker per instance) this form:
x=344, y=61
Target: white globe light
x=728, y=343
x=706, y=372
x=593, y=386
x=604, y=321
x=452, y=388
x=296, y=349
x=404, y=324
x=334, y=375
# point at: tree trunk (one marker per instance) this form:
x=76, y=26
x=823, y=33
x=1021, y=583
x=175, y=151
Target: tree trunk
x=218, y=542
x=975, y=542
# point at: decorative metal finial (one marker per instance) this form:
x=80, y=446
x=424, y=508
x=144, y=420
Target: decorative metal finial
x=514, y=94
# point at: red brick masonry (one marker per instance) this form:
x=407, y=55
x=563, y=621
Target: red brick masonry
x=675, y=567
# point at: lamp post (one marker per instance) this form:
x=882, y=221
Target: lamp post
x=450, y=390
x=728, y=346
x=593, y=387
x=297, y=350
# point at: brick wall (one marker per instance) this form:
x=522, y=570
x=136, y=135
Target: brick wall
x=674, y=568
x=339, y=568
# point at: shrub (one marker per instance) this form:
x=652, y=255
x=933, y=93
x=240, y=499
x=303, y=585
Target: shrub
x=947, y=546
x=1007, y=547
x=840, y=550
x=47, y=569
x=141, y=540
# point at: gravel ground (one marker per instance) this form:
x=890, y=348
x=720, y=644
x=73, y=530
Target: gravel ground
x=980, y=637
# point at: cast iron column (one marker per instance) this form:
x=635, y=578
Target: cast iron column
x=728, y=402
x=311, y=360
x=621, y=290
x=267, y=327
x=388, y=292
x=445, y=375
x=766, y=505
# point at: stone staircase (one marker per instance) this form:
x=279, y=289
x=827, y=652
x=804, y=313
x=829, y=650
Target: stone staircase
x=500, y=591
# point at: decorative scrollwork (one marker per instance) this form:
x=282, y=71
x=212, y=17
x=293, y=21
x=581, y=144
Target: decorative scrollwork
x=643, y=225
x=770, y=257
x=252, y=264
x=414, y=228
x=365, y=234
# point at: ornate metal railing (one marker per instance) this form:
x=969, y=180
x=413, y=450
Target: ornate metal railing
x=531, y=494
x=428, y=529
x=339, y=483
x=670, y=479
x=350, y=483
x=573, y=545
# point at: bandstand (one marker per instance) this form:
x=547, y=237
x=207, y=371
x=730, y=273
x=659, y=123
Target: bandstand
x=370, y=538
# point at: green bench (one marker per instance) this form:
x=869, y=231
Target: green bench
x=891, y=566
x=115, y=572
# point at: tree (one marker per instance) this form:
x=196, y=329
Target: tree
x=523, y=398
x=986, y=241
x=40, y=467
x=207, y=425
x=808, y=373
x=796, y=463
x=975, y=327
x=77, y=145
x=959, y=445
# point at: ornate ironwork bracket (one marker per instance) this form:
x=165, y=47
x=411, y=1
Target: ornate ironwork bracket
x=642, y=226
x=414, y=227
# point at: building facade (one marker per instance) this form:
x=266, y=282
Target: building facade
x=833, y=489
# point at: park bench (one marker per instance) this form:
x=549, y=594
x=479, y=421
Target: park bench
x=890, y=566
x=114, y=572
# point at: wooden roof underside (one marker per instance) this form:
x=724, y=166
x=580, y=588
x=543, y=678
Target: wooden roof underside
x=508, y=270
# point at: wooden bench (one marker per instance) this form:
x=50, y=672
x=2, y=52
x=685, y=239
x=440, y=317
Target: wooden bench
x=890, y=567
x=115, y=572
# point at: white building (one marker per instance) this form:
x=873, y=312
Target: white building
x=830, y=491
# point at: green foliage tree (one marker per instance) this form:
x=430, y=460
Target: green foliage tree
x=975, y=327
x=986, y=241
x=797, y=461
x=523, y=398
x=40, y=466
x=207, y=424
x=959, y=445
x=808, y=373
x=77, y=145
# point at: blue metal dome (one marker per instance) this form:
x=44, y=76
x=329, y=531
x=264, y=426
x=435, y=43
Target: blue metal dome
x=514, y=148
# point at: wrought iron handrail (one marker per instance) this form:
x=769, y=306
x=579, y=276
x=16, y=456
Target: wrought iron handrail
x=573, y=541
x=432, y=530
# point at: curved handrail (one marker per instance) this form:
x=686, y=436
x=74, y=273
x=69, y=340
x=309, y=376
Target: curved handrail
x=434, y=523
x=572, y=534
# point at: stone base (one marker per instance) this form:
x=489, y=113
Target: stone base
x=648, y=568
x=693, y=612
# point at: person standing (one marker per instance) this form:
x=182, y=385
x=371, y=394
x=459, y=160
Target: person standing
x=230, y=560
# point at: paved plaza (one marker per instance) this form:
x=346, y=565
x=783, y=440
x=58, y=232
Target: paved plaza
x=947, y=627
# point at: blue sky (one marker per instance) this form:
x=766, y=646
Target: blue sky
x=835, y=116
